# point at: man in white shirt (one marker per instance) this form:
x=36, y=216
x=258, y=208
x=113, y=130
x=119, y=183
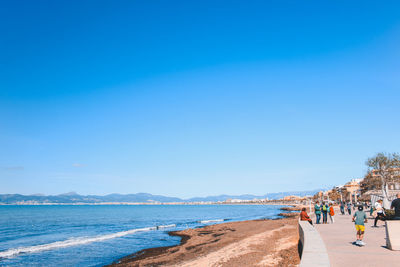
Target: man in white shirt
x=380, y=215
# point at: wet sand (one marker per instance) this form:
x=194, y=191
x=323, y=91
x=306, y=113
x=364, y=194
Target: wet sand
x=246, y=243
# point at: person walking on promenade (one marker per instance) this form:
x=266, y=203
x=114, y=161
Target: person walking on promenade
x=331, y=214
x=342, y=207
x=371, y=210
x=380, y=215
x=396, y=206
x=349, y=207
x=304, y=216
x=325, y=209
x=360, y=218
x=317, y=209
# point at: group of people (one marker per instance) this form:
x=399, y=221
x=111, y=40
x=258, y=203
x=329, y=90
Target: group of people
x=344, y=206
x=359, y=217
x=323, y=209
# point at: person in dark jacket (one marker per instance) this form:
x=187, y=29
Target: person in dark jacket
x=317, y=209
x=342, y=207
x=396, y=206
x=349, y=208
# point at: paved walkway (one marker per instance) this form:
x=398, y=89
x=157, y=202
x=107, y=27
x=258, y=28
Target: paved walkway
x=338, y=239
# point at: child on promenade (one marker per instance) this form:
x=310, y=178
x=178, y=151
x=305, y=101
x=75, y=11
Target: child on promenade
x=317, y=209
x=360, y=218
x=331, y=214
x=325, y=209
x=304, y=216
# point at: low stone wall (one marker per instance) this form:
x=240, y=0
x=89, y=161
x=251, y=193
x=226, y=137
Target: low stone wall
x=393, y=235
x=312, y=248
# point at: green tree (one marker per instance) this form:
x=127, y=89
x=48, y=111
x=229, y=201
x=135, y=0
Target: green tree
x=383, y=164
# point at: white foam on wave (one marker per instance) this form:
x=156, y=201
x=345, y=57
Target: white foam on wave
x=75, y=241
x=210, y=221
x=166, y=226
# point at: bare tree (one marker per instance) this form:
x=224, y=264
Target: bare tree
x=334, y=195
x=383, y=164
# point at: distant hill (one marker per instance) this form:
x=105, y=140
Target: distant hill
x=73, y=197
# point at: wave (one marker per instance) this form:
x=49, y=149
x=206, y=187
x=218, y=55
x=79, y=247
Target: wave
x=86, y=240
x=165, y=226
x=210, y=221
x=76, y=241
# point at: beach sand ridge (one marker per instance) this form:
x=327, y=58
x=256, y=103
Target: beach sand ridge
x=245, y=243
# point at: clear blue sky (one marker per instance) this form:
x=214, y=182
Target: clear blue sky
x=195, y=98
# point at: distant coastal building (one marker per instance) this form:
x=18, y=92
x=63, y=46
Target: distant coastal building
x=371, y=186
x=293, y=198
x=354, y=189
x=368, y=188
x=254, y=200
x=350, y=191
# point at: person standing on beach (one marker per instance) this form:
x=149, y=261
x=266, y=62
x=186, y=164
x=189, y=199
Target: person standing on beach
x=331, y=214
x=349, y=207
x=380, y=215
x=304, y=216
x=317, y=209
x=325, y=209
x=342, y=207
x=360, y=218
x=396, y=206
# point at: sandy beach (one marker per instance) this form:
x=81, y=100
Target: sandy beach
x=245, y=243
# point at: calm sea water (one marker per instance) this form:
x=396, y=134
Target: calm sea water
x=98, y=235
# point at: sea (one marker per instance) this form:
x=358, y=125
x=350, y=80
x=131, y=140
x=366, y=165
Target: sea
x=96, y=235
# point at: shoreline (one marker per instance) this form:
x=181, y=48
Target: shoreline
x=215, y=244
x=151, y=204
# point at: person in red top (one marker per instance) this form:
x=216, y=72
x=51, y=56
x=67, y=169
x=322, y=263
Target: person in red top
x=304, y=216
x=331, y=214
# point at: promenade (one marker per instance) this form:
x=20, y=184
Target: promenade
x=338, y=239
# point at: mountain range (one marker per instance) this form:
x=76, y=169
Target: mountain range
x=72, y=197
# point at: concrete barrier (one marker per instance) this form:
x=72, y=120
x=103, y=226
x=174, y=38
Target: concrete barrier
x=312, y=248
x=393, y=235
